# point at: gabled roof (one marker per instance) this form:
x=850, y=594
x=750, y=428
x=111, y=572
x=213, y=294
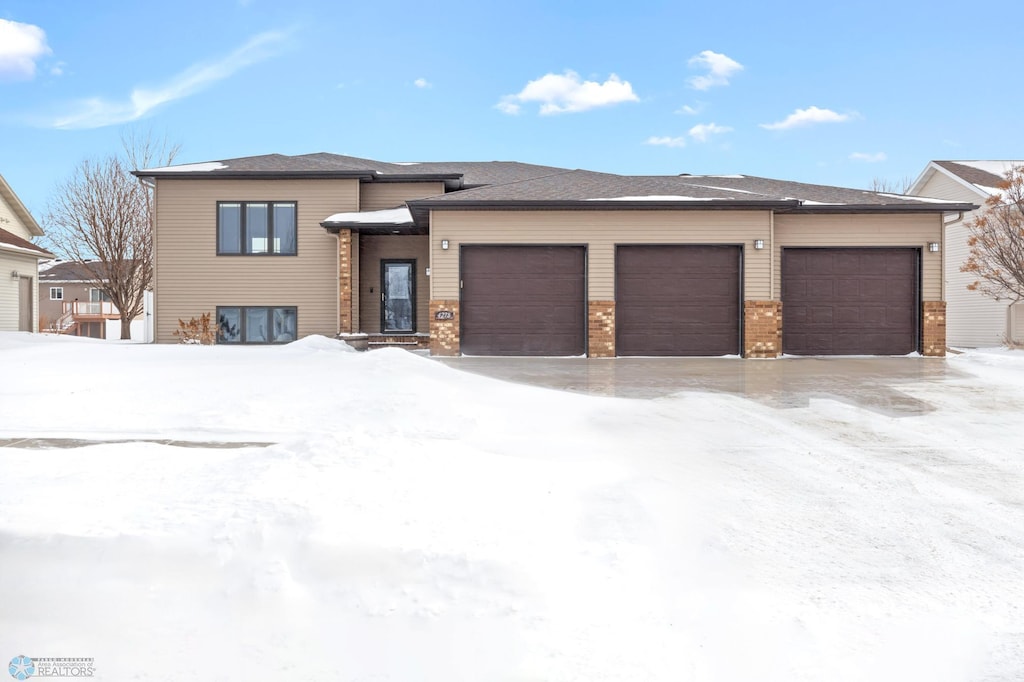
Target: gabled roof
x=19, y=208
x=580, y=189
x=322, y=164
x=66, y=271
x=982, y=177
x=12, y=242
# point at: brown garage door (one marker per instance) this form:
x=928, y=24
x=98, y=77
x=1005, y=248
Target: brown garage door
x=849, y=301
x=523, y=300
x=677, y=300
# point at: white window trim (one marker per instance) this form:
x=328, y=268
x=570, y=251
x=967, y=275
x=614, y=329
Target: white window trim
x=59, y=290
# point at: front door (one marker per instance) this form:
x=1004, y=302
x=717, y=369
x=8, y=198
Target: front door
x=398, y=296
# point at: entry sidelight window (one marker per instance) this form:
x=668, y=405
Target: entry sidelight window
x=256, y=228
x=256, y=324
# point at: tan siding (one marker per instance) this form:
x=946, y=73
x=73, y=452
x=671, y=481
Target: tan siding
x=864, y=230
x=373, y=248
x=374, y=196
x=1016, y=326
x=600, y=231
x=191, y=279
x=51, y=310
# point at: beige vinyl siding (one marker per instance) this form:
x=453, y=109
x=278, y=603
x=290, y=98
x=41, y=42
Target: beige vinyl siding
x=374, y=196
x=600, y=231
x=973, y=320
x=374, y=248
x=10, y=221
x=25, y=265
x=864, y=231
x=191, y=279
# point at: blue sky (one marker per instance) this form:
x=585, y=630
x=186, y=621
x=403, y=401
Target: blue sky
x=832, y=93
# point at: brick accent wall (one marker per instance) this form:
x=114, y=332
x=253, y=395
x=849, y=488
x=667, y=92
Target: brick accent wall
x=933, y=329
x=601, y=329
x=762, y=329
x=345, y=281
x=444, y=334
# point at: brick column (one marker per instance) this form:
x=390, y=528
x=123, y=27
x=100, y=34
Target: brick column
x=933, y=329
x=345, y=281
x=601, y=329
x=444, y=333
x=762, y=329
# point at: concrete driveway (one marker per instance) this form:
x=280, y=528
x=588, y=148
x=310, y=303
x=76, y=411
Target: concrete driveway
x=874, y=383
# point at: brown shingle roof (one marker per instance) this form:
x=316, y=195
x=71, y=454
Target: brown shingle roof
x=10, y=239
x=588, y=189
x=975, y=176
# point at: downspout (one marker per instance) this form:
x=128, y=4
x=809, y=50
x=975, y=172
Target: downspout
x=771, y=256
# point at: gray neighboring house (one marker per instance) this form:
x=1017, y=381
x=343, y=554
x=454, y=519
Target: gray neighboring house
x=974, y=320
x=507, y=258
x=19, y=263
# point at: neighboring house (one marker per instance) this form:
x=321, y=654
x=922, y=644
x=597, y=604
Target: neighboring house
x=70, y=302
x=974, y=320
x=504, y=258
x=19, y=263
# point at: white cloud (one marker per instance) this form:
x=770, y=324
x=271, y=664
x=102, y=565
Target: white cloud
x=690, y=110
x=869, y=158
x=566, y=93
x=805, y=117
x=57, y=69
x=422, y=83
x=720, y=69
x=97, y=112
x=702, y=131
x=667, y=141
x=20, y=46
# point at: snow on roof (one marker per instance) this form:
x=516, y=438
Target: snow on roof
x=994, y=167
x=192, y=167
x=929, y=200
x=388, y=216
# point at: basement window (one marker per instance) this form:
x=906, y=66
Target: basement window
x=256, y=324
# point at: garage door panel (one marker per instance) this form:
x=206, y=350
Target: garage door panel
x=523, y=300
x=677, y=300
x=850, y=301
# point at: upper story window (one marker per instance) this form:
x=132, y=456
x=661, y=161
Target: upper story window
x=251, y=228
x=56, y=293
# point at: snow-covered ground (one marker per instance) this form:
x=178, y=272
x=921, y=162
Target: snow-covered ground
x=412, y=522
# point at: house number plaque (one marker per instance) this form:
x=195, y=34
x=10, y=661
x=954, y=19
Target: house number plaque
x=444, y=315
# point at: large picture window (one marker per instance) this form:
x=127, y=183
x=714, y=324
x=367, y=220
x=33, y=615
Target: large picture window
x=256, y=228
x=256, y=324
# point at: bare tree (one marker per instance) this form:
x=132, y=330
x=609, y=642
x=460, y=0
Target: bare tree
x=891, y=186
x=101, y=218
x=996, y=241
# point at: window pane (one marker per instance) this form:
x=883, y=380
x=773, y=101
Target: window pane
x=256, y=227
x=284, y=228
x=228, y=327
x=284, y=324
x=256, y=325
x=229, y=228
x=56, y=293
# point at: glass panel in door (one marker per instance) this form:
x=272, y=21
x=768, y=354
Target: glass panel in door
x=398, y=296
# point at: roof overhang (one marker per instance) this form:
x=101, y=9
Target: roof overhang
x=932, y=168
x=941, y=208
x=38, y=254
x=19, y=208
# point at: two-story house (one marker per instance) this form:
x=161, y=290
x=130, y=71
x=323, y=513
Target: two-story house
x=505, y=258
x=19, y=263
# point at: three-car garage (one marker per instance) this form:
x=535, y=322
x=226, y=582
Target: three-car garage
x=687, y=300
